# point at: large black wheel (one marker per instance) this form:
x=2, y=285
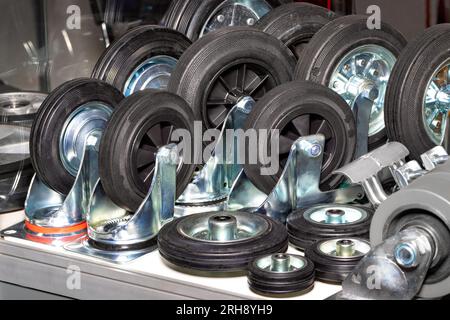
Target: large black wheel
x=220, y=241
x=143, y=58
x=348, y=57
x=196, y=18
x=229, y=64
x=295, y=24
x=418, y=94
x=299, y=109
x=63, y=122
x=142, y=124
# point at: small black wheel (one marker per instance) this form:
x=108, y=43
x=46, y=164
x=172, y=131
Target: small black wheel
x=306, y=226
x=281, y=274
x=229, y=64
x=63, y=122
x=349, y=58
x=295, y=24
x=220, y=241
x=140, y=125
x=196, y=18
x=299, y=109
x=335, y=258
x=417, y=99
x=142, y=58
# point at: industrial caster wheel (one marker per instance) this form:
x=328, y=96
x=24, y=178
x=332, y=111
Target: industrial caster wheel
x=349, y=58
x=220, y=241
x=20, y=107
x=295, y=24
x=281, y=274
x=307, y=226
x=335, y=258
x=140, y=125
x=424, y=204
x=63, y=122
x=299, y=109
x=143, y=58
x=219, y=69
x=418, y=95
x=196, y=18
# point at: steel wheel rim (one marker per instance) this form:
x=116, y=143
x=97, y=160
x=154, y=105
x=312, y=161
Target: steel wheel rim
x=281, y=263
x=330, y=248
x=235, y=13
x=145, y=149
x=436, y=103
x=153, y=73
x=335, y=215
x=89, y=117
x=236, y=82
x=20, y=103
x=368, y=65
x=229, y=228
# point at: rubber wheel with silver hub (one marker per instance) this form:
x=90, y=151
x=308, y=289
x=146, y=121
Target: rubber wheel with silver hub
x=143, y=58
x=418, y=95
x=298, y=109
x=196, y=18
x=349, y=58
x=20, y=107
x=281, y=274
x=306, y=226
x=142, y=124
x=64, y=121
x=335, y=258
x=220, y=241
x=295, y=24
x=224, y=66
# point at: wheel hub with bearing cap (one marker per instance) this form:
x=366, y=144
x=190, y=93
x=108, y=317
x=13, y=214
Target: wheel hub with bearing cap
x=220, y=241
x=281, y=274
x=143, y=58
x=321, y=222
x=20, y=106
x=335, y=258
x=350, y=59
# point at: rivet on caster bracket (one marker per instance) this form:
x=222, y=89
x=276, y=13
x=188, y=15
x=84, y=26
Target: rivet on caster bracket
x=119, y=236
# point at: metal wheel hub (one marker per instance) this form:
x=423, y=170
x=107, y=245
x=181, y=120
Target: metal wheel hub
x=366, y=67
x=345, y=248
x=437, y=103
x=225, y=227
x=86, y=119
x=20, y=103
x=235, y=13
x=280, y=262
x=153, y=73
x=335, y=215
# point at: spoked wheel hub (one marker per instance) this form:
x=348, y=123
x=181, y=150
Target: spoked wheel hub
x=363, y=68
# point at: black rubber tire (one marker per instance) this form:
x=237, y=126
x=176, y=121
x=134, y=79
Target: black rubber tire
x=211, y=56
x=188, y=17
x=298, y=98
x=189, y=253
x=281, y=283
x=295, y=24
x=303, y=233
x=49, y=121
x=129, y=51
x=330, y=269
x=128, y=124
x=334, y=41
x=407, y=88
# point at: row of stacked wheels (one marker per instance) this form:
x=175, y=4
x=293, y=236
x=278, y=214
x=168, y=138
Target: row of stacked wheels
x=305, y=67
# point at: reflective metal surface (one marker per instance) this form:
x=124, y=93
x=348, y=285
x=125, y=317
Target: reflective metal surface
x=235, y=13
x=14, y=144
x=281, y=262
x=153, y=73
x=436, y=103
x=344, y=248
x=335, y=214
x=368, y=65
x=17, y=104
x=222, y=227
x=77, y=128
